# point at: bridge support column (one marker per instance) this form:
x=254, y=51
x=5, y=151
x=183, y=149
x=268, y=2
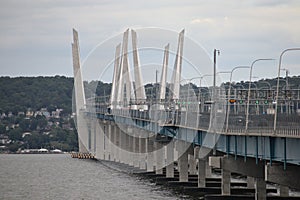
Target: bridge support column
x=201, y=172
x=93, y=136
x=251, y=168
x=109, y=142
x=284, y=191
x=100, y=141
x=260, y=189
x=123, y=153
x=183, y=163
x=204, y=170
x=120, y=149
x=192, y=163
x=183, y=160
x=170, y=159
x=130, y=144
x=112, y=142
x=106, y=141
x=159, y=157
x=116, y=143
x=150, y=156
x=142, y=150
x=226, y=176
x=288, y=177
x=250, y=182
x=136, y=145
x=208, y=170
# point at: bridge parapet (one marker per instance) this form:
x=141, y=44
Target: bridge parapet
x=259, y=125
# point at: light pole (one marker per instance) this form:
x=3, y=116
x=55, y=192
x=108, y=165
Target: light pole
x=216, y=51
x=213, y=107
x=229, y=93
x=277, y=88
x=248, y=99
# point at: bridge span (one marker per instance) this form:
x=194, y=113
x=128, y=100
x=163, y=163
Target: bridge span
x=181, y=131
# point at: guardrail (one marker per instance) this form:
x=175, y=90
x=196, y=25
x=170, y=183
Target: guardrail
x=288, y=125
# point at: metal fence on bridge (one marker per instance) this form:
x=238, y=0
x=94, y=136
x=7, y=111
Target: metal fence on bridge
x=199, y=111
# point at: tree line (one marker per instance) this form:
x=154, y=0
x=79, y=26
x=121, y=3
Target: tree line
x=18, y=94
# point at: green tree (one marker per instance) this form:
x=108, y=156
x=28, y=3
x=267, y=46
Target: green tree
x=15, y=134
x=25, y=124
x=36, y=140
x=2, y=129
x=13, y=147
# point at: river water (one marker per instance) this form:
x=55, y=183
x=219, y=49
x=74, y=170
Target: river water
x=49, y=176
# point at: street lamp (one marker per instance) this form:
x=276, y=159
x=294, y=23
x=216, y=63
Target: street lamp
x=229, y=93
x=277, y=88
x=216, y=51
x=248, y=100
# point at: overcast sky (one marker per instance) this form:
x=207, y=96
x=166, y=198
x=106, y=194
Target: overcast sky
x=36, y=36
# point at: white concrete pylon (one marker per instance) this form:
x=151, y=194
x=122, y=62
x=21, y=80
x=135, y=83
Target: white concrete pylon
x=125, y=74
x=139, y=85
x=79, y=96
x=176, y=76
x=113, y=96
x=163, y=79
x=79, y=91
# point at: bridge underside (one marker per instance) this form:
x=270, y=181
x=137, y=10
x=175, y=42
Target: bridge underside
x=262, y=158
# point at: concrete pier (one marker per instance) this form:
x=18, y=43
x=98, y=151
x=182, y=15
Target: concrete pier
x=150, y=156
x=170, y=160
x=109, y=143
x=100, y=141
x=183, y=163
x=142, y=151
x=130, y=145
x=201, y=173
x=288, y=177
x=136, y=145
x=260, y=189
x=117, y=144
x=229, y=164
x=283, y=191
x=250, y=182
x=192, y=164
x=159, y=157
x=226, y=178
x=182, y=148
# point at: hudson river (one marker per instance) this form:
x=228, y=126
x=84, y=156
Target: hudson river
x=59, y=176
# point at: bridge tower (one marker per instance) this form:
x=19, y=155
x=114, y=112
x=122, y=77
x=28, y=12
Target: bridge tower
x=80, y=104
x=175, y=82
x=125, y=79
x=139, y=85
x=163, y=79
x=116, y=76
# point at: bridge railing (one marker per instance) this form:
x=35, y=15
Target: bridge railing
x=197, y=115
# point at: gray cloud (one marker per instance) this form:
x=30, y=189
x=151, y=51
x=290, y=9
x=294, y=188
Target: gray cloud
x=35, y=36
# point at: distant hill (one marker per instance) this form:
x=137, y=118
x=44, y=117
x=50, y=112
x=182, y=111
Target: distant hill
x=20, y=93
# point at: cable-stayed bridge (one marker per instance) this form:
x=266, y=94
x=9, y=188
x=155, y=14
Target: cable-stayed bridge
x=253, y=131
